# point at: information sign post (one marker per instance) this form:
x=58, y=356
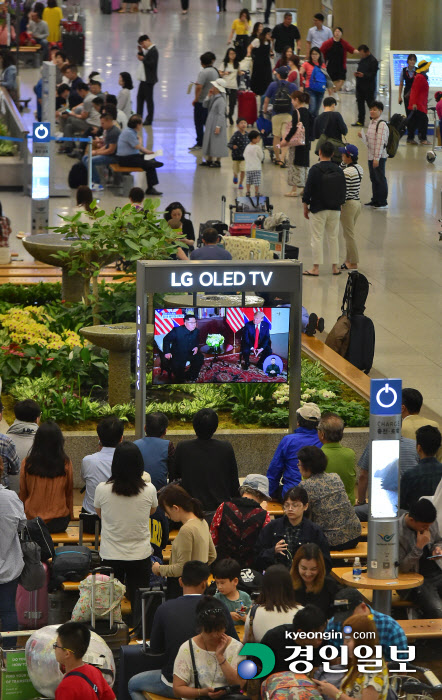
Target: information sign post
x=41, y=138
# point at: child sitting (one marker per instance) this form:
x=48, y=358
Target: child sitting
x=136, y=198
x=227, y=573
x=81, y=680
x=237, y=144
x=253, y=156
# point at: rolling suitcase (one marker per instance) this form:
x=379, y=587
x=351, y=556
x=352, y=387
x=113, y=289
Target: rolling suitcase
x=247, y=108
x=106, y=7
x=115, y=634
x=73, y=45
x=95, y=521
x=32, y=606
x=138, y=658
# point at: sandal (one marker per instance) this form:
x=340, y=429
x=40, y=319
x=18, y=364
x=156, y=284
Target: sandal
x=291, y=194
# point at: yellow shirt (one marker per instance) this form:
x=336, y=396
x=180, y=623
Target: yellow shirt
x=53, y=17
x=377, y=679
x=240, y=28
x=411, y=423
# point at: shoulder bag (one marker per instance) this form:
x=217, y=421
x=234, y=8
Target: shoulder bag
x=298, y=138
x=33, y=575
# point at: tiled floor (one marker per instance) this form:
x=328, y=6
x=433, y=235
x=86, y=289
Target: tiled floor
x=399, y=248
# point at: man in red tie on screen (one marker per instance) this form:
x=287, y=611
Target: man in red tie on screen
x=256, y=340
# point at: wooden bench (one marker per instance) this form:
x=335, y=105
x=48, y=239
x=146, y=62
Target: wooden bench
x=274, y=508
x=71, y=536
x=172, y=535
x=421, y=629
x=396, y=600
x=359, y=551
x=364, y=530
x=122, y=177
x=153, y=696
x=33, y=51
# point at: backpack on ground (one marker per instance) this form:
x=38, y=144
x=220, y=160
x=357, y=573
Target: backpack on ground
x=396, y=129
x=318, y=80
x=282, y=103
x=289, y=686
x=333, y=188
x=77, y=176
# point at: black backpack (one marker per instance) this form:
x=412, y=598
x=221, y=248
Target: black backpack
x=282, y=103
x=39, y=533
x=77, y=176
x=360, y=351
x=396, y=129
x=333, y=188
x=71, y=563
x=355, y=294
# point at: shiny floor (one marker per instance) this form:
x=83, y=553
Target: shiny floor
x=399, y=248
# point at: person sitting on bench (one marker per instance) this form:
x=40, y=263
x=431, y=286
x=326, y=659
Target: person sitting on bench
x=103, y=154
x=131, y=152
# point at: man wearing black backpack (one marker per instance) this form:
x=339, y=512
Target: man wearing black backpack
x=324, y=194
x=278, y=94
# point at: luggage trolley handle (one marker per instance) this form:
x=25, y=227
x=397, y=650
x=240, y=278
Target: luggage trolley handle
x=223, y=209
x=103, y=570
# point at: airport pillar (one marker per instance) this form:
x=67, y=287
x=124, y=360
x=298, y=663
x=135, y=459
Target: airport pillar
x=362, y=24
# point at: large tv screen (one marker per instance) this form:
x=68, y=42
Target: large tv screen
x=220, y=345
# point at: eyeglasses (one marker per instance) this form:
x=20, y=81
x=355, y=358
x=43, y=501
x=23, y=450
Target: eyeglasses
x=295, y=506
x=57, y=646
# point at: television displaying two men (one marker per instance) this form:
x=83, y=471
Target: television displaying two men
x=220, y=345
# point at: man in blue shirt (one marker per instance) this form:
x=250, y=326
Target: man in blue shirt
x=349, y=601
x=278, y=94
x=285, y=460
x=158, y=454
x=210, y=250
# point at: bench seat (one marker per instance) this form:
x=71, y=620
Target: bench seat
x=359, y=551
x=125, y=169
x=421, y=629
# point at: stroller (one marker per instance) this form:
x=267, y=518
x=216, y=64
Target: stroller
x=264, y=126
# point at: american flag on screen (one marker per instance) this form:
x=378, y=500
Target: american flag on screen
x=237, y=318
x=166, y=319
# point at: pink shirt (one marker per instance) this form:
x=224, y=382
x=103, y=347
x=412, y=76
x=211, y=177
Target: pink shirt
x=439, y=109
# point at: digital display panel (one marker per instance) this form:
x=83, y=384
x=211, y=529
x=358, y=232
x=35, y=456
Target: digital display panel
x=221, y=345
x=40, y=177
x=434, y=74
x=384, y=478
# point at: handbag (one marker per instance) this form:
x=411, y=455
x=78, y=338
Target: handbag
x=298, y=138
x=33, y=575
x=102, y=607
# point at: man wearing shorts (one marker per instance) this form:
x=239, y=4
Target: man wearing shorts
x=278, y=94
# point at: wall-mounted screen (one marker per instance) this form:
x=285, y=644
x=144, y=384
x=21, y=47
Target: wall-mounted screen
x=220, y=345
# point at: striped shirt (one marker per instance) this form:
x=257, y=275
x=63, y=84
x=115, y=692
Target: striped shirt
x=376, y=138
x=353, y=177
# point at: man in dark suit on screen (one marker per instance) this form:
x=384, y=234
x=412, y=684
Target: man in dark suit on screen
x=256, y=340
x=180, y=346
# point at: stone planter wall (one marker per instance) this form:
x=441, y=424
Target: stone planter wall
x=254, y=449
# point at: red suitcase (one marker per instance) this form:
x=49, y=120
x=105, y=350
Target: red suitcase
x=32, y=606
x=240, y=229
x=247, y=108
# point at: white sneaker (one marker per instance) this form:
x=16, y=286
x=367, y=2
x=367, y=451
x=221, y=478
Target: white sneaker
x=96, y=187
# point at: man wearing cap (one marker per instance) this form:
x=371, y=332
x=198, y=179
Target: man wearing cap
x=285, y=460
x=180, y=346
x=349, y=601
x=237, y=523
x=351, y=208
x=418, y=102
x=285, y=34
x=278, y=94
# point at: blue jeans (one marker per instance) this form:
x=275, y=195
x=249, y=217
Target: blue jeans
x=199, y=116
x=8, y=613
x=379, y=183
x=150, y=681
x=315, y=101
x=98, y=160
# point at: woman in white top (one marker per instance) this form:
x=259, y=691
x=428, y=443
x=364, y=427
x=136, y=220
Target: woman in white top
x=215, y=655
x=276, y=603
x=125, y=503
x=229, y=70
x=124, y=98
x=351, y=208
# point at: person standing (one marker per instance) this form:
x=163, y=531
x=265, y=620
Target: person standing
x=241, y=28
x=408, y=75
x=298, y=156
x=229, y=70
x=52, y=15
x=285, y=35
x=365, y=74
x=278, y=94
x=418, y=102
x=376, y=140
x=148, y=75
x=324, y=193
x=317, y=34
x=262, y=68
x=202, y=86
x=315, y=80
x=335, y=52
x=215, y=133
x=351, y=208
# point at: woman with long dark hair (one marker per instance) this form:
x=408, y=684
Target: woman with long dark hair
x=210, y=659
x=315, y=60
x=193, y=540
x=284, y=60
x=276, y=603
x=241, y=30
x=46, y=479
x=262, y=67
x=298, y=156
x=311, y=583
x=123, y=98
x=125, y=503
x=176, y=211
x=229, y=70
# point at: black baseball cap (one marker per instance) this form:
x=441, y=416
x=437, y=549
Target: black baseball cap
x=344, y=603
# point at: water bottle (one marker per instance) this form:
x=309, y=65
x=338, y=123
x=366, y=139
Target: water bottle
x=357, y=569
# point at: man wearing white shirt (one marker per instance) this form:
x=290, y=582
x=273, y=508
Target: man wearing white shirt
x=317, y=34
x=376, y=140
x=97, y=467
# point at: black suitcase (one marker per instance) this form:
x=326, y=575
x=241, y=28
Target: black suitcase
x=106, y=7
x=94, y=521
x=360, y=351
x=138, y=658
x=73, y=46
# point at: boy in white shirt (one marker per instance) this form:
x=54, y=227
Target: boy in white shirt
x=253, y=156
